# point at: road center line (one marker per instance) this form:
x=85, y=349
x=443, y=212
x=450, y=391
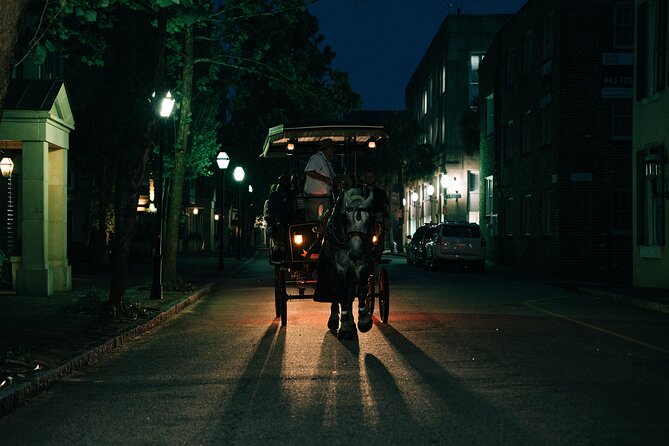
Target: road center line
x=530, y=303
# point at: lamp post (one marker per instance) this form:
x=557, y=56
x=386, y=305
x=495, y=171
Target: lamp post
x=166, y=106
x=222, y=160
x=238, y=174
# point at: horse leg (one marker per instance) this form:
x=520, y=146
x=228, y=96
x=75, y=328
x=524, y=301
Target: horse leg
x=347, y=329
x=333, y=321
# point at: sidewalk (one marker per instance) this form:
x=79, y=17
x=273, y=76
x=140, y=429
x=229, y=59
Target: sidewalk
x=43, y=339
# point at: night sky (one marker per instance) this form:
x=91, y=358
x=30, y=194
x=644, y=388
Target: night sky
x=380, y=42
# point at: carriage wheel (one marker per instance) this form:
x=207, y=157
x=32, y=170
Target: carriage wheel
x=283, y=301
x=371, y=295
x=384, y=295
x=277, y=290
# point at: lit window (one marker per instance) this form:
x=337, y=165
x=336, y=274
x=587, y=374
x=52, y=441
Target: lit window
x=474, y=63
x=650, y=196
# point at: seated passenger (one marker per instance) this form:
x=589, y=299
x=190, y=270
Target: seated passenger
x=281, y=209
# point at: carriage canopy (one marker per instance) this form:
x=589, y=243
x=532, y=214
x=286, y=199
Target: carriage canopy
x=287, y=141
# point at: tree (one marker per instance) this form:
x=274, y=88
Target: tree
x=10, y=19
x=268, y=53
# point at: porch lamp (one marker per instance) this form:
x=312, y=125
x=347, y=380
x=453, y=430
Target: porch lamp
x=6, y=167
x=238, y=175
x=165, y=111
x=222, y=161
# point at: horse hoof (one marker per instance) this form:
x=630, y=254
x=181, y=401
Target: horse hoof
x=364, y=321
x=333, y=322
x=347, y=334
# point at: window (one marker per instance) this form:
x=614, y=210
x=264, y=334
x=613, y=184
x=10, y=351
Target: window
x=622, y=119
x=474, y=62
x=509, y=140
x=489, y=192
x=508, y=217
x=546, y=112
x=651, y=48
x=510, y=74
x=527, y=52
x=443, y=78
x=547, y=205
x=526, y=131
x=548, y=44
x=525, y=217
x=424, y=105
x=473, y=196
x=623, y=24
x=650, y=196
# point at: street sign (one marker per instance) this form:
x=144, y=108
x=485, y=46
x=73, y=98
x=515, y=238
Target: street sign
x=453, y=195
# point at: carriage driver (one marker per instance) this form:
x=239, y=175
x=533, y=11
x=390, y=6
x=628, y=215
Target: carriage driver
x=320, y=177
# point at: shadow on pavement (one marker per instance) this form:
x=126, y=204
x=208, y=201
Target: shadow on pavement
x=473, y=419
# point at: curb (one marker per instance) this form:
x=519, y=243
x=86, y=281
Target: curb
x=641, y=303
x=13, y=398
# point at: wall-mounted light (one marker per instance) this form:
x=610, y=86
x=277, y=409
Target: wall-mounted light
x=291, y=144
x=222, y=160
x=430, y=190
x=217, y=217
x=250, y=188
x=414, y=197
x=444, y=181
x=196, y=211
x=6, y=167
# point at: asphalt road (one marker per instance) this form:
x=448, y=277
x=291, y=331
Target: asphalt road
x=465, y=359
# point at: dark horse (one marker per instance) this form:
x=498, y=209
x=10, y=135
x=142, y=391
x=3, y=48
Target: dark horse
x=345, y=259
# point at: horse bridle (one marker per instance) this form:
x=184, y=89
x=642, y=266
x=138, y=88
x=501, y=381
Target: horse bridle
x=351, y=234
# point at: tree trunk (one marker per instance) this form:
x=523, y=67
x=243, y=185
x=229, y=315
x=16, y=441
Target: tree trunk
x=182, y=148
x=128, y=183
x=10, y=18
x=129, y=178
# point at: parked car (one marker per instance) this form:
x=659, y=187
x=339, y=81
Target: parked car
x=456, y=241
x=416, y=246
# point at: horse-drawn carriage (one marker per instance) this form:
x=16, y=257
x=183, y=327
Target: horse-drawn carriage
x=333, y=258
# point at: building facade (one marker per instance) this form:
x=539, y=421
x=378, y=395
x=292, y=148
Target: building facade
x=556, y=131
x=443, y=97
x=651, y=136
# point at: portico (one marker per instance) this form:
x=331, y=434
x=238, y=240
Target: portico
x=34, y=132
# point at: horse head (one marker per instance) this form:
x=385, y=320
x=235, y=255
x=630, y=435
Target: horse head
x=358, y=214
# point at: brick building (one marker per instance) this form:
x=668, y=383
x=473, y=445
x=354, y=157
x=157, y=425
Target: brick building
x=651, y=135
x=443, y=97
x=556, y=131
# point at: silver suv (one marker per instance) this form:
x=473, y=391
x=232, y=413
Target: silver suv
x=456, y=241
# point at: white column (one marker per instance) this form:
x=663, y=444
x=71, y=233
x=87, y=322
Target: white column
x=33, y=278
x=57, y=221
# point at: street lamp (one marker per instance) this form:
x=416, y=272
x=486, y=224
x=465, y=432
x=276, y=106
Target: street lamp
x=223, y=161
x=166, y=107
x=238, y=174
